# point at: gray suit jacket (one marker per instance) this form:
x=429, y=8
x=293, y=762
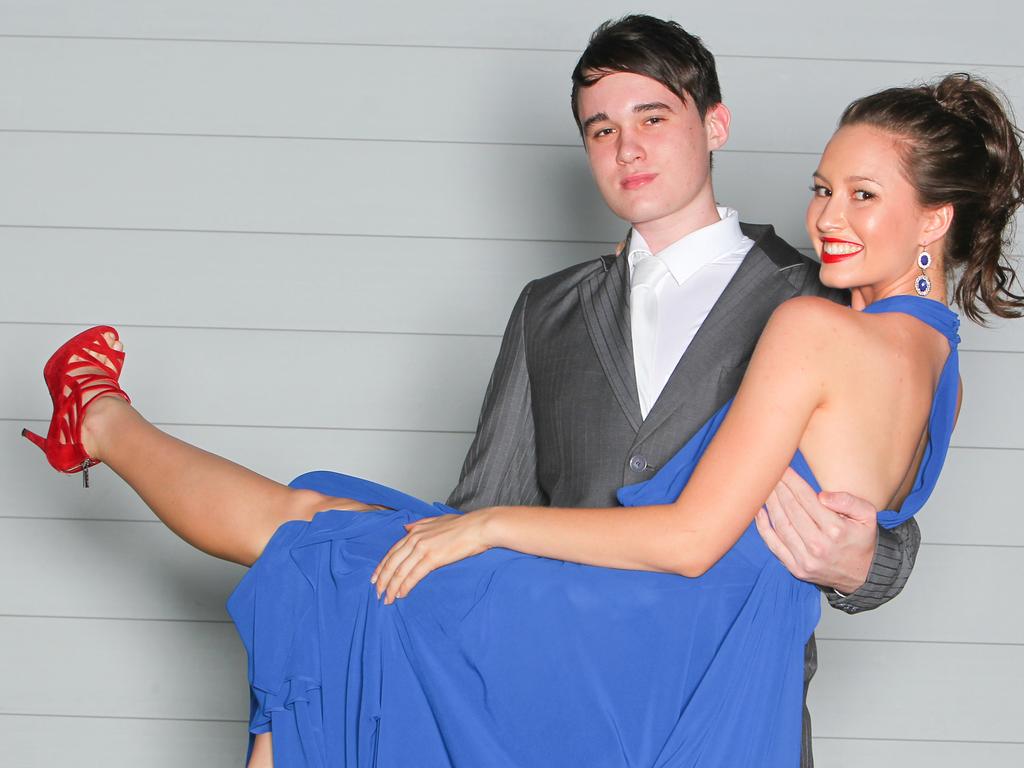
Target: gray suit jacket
x=561, y=422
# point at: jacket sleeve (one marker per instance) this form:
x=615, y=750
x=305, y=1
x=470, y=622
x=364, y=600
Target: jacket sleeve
x=501, y=466
x=894, y=558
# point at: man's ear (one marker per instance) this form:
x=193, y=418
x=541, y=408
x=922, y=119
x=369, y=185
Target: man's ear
x=716, y=124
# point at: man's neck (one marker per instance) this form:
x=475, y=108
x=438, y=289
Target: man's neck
x=661, y=233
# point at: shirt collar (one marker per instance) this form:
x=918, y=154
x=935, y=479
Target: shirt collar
x=686, y=256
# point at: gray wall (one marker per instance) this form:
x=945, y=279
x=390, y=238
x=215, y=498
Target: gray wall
x=310, y=221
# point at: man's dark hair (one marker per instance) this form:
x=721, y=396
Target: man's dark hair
x=660, y=50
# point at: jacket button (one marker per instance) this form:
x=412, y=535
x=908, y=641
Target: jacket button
x=638, y=463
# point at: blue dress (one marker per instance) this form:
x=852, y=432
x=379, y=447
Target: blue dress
x=510, y=660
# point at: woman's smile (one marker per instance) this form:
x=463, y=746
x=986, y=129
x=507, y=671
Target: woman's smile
x=834, y=250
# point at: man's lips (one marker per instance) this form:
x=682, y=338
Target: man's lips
x=638, y=180
x=834, y=250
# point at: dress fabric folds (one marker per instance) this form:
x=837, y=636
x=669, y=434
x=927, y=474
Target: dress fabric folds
x=506, y=659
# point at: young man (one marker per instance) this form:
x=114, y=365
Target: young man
x=608, y=367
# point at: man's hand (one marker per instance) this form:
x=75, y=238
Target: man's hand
x=828, y=538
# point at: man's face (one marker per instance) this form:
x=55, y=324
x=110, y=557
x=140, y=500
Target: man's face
x=649, y=152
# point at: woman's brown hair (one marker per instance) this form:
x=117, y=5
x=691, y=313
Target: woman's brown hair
x=959, y=145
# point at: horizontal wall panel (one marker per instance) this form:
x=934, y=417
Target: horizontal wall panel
x=379, y=93
x=817, y=91
x=970, y=505
x=955, y=594
x=991, y=415
x=30, y=742
x=183, y=670
x=977, y=499
x=377, y=284
x=91, y=742
x=429, y=286
x=140, y=570
x=460, y=95
x=929, y=691
x=291, y=379
x=425, y=464
x=432, y=190
x=878, y=29
x=109, y=570
x=338, y=283
x=999, y=335
x=367, y=381
x=360, y=188
x=858, y=753
x=104, y=668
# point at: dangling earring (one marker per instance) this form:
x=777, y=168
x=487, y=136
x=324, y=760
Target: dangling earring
x=923, y=285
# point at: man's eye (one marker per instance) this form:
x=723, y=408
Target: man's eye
x=601, y=132
x=655, y=120
x=820, y=190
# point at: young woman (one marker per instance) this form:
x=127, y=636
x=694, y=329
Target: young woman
x=658, y=633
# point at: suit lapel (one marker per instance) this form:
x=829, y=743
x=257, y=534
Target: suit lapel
x=604, y=298
x=740, y=312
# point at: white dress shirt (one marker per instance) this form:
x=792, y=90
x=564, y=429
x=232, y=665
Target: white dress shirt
x=700, y=265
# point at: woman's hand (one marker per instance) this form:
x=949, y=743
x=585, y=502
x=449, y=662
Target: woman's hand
x=429, y=544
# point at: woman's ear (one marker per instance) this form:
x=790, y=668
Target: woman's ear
x=936, y=223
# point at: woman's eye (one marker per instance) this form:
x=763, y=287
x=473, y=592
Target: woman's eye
x=820, y=190
x=862, y=194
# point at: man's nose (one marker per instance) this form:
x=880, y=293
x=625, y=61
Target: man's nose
x=630, y=148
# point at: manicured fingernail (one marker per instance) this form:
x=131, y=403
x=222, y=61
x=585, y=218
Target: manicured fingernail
x=373, y=579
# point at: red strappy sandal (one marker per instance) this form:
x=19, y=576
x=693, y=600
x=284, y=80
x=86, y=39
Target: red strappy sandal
x=72, y=393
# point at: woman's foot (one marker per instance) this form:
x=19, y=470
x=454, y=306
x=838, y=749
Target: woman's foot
x=82, y=377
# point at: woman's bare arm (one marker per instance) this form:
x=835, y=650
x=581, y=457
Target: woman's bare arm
x=784, y=385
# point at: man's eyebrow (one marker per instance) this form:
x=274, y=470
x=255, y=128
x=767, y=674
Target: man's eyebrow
x=594, y=118
x=652, y=106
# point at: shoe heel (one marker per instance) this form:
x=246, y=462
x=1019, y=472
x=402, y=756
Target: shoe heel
x=32, y=437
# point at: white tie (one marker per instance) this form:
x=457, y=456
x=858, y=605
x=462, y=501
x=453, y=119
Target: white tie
x=643, y=314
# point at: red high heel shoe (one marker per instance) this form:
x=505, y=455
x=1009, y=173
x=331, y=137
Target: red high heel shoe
x=69, y=390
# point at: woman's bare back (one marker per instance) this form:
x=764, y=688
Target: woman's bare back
x=869, y=433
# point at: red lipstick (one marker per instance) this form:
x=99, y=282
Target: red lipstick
x=834, y=250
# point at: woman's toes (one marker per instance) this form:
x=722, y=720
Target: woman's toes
x=113, y=342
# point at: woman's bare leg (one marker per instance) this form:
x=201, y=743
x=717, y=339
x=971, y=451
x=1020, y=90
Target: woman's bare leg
x=262, y=752
x=215, y=505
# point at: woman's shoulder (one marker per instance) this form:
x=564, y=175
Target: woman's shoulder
x=839, y=339
x=818, y=333
x=802, y=308
x=811, y=318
